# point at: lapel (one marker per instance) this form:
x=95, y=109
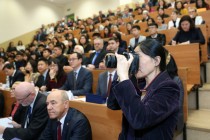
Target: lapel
x=66, y=124
x=80, y=74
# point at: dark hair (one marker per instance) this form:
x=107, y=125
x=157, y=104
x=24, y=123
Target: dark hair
x=60, y=72
x=163, y=21
x=176, y=5
x=189, y=19
x=79, y=55
x=44, y=60
x=153, y=24
x=33, y=65
x=203, y=4
x=118, y=35
x=8, y=66
x=96, y=35
x=114, y=38
x=86, y=38
x=171, y=65
x=153, y=48
x=153, y=21
x=136, y=27
x=109, y=32
x=47, y=49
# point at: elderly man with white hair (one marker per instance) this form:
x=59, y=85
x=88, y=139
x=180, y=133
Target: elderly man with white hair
x=36, y=116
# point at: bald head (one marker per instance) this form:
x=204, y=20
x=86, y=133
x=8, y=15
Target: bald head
x=25, y=93
x=24, y=88
x=57, y=104
x=59, y=94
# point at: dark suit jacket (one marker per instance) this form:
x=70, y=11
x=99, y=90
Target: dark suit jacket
x=155, y=116
x=161, y=38
x=121, y=50
x=102, y=83
x=76, y=127
x=18, y=76
x=63, y=60
x=1, y=105
x=37, y=122
x=98, y=59
x=83, y=83
x=40, y=81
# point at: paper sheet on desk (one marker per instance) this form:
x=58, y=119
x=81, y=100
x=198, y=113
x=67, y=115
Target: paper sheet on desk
x=5, y=122
x=76, y=98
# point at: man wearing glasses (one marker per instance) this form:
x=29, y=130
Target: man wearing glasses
x=79, y=81
x=35, y=118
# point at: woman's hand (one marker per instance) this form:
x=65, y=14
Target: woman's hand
x=173, y=42
x=123, y=66
x=52, y=73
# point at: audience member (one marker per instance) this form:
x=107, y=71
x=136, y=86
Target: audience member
x=123, y=43
x=188, y=33
x=137, y=37
x=13, y=74
x=79, y=81
x=113, y=46
x=20, y=45
x=35, y=118
x=43, y=69
x=198, y=20
x=85, y=43
x=57, y=76
x=161, y=23
x=96, y=57
x=153, y=31
x=103, y=87
x=58, y=53
x=73, y=123
x=30, y=71
x=174, y=22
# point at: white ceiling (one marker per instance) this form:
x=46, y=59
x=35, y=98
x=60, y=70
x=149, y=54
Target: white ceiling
x=63, y=2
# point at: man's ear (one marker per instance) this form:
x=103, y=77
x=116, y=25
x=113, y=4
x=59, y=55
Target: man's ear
x=66, y=104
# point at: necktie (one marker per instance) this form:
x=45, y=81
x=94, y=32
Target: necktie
x=58, y=130
x=75, y=80
x=42, y=80
x=109, y=85
x=174, y=23
x=94, y=58
x=28, y=116
x=15, y=109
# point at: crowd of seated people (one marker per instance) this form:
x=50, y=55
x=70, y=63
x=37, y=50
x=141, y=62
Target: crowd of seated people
x=61, y=55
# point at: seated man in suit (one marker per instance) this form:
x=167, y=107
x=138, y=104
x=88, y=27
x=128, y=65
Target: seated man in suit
x=113, y=46
x=58, y=52
x=98, y=55
x=137, y=37
x=79, y=81
x=43, y=68
x=75, y=125
x=161, y=38
x=105, y=79
x=14, y=75
x=35, y=117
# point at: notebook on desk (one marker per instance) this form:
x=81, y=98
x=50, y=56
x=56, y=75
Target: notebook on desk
x=93, y=98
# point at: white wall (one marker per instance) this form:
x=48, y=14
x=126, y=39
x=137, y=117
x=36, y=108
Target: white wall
x=22, y=16
x=86, y=8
